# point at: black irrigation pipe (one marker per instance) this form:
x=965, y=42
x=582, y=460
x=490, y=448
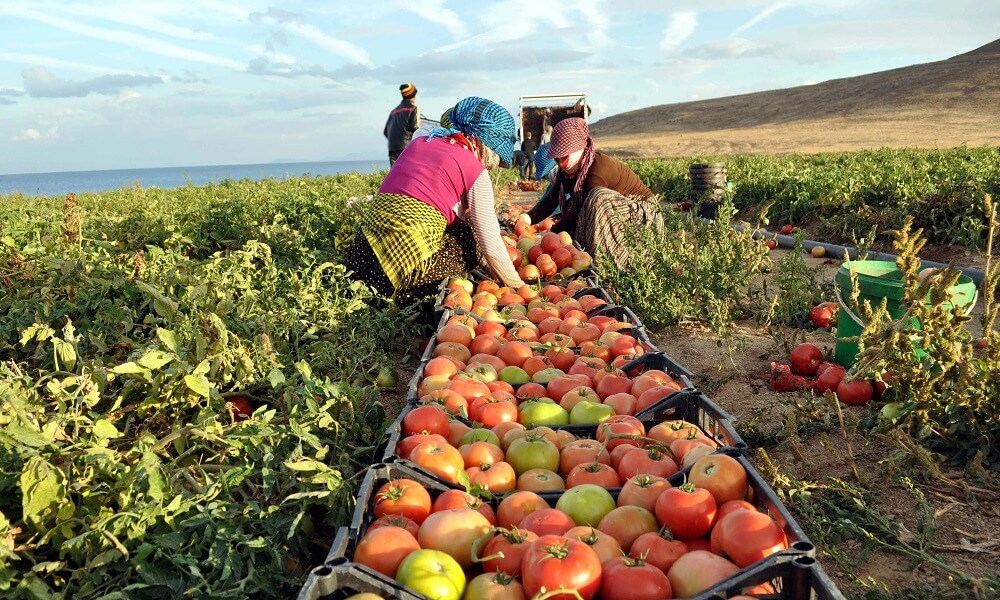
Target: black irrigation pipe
x=842, y=252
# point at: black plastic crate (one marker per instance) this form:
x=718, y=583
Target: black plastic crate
x=342, y=549
x=329, y=582
x=789, y=577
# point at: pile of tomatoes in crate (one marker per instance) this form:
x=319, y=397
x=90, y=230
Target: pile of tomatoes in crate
x=650, y=539
x=549, y=450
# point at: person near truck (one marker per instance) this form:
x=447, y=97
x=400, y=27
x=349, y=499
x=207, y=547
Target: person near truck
x=528, y=147
x=403, y=121
x=434, y=216
x=598, y=195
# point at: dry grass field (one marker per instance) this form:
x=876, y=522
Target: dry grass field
x=942, y=104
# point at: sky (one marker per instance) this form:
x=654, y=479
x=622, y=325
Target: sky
x=117, y=84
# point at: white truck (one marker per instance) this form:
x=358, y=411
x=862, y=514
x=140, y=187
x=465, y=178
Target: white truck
x=537, y=111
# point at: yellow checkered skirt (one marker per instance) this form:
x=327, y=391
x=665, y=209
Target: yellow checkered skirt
x=404, y=249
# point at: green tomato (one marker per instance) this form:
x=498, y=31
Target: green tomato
x=532, y=451
x=586, y=504
x=546, y=375
x=513, y=375
x=386, y=378
x=535, y=413
x=432, y=573
x=479, y=435
x=590, y=413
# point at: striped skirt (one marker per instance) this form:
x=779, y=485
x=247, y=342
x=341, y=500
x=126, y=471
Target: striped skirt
x=602, y=226
x=403, y=248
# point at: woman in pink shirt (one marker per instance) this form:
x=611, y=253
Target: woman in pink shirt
x=416, y=231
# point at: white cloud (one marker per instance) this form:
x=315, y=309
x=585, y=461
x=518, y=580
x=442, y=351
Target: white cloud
x=36, y=135
x=296, y=25
x=133, y=41
x=435, y=12
x=681, y=26
x=596, y=16
x=46, y=61
x=768, y=11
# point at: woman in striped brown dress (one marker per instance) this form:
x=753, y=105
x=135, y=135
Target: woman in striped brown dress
x=599, y=196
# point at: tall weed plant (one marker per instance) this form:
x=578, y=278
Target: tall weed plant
x=689, y=271
x=944, y=386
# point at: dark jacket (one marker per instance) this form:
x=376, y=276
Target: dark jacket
x=528, y=147
x=399, y=127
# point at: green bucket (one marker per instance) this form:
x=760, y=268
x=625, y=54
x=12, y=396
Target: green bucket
x=878, y=280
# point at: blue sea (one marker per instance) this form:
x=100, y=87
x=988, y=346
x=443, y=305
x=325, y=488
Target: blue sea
x=78, y=182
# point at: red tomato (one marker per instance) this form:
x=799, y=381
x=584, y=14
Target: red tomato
x=856, y=392
x=805, y=358
x=606, y=547
x=627, y=578
x=580, y=452
x=403, y=497
x=821, y=316
x=554, y=562
x=830, y=378
x=539, y=480
x=619, y=425
x=596, y=473
x=547, y=521
x=642, y=490
x=384, y=548
x=427, y=418
x=240, y=407
x=453, y=532
x=687, y=511
x=407, y=444
x=747, y=536
x=516, y=506
x=649, y=461
x=491, y=412
x=498, y=477
x=626, y=523
x=660, y=549
x=441, y=459
x=723, y=476
x=462, y=499
x=504, y=550
x=395, y=521
x=698, y=570
x=786, y=229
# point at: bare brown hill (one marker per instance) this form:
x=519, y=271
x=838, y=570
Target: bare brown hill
x=933, y=105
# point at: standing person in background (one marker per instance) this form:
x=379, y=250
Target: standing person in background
x=415, y=231
x=598, y=195
x=528, y=147
x=402, y=122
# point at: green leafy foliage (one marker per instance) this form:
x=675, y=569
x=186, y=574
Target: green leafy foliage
x=854, y=197
x=127, y=320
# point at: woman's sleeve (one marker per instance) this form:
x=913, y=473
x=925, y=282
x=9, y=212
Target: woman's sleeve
x=487, y=228
x=546, y=205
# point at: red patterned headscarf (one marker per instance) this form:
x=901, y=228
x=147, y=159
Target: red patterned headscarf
x=568, y=136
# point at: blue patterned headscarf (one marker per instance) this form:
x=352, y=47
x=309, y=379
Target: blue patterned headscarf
x=543, y=164
x=485, y=119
